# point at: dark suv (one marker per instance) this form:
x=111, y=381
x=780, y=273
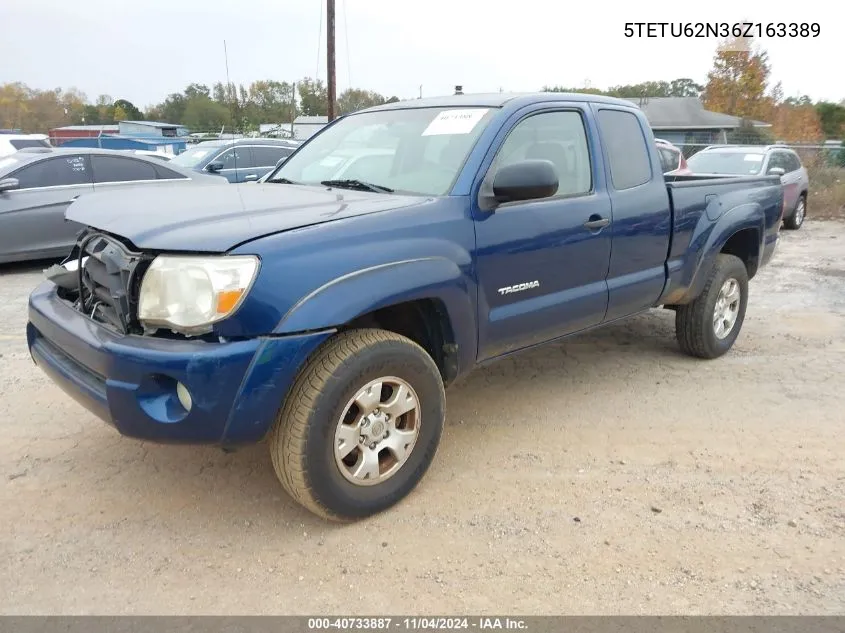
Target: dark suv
x=239, y=160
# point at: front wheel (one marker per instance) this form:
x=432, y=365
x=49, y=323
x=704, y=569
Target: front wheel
x=708, y=327
x=360, y=426
x=794, y=221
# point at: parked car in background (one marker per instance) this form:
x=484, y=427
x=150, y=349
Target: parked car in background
x=672, y=159
x=38, y=184
x=11, y=143
x=239, y=160
x=755, y=160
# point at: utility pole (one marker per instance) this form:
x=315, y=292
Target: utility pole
x=330, y=57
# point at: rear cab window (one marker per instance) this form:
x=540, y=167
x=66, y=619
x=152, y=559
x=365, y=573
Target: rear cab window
x=627, y=151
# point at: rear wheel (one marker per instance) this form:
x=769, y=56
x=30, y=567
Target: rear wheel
x=708, y=327
x=360, y=426
x=794, y=221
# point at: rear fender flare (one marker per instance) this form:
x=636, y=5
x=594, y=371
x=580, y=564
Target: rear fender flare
x=702, y=259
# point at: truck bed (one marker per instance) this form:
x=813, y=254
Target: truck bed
x=703, y=207
x=698, y=202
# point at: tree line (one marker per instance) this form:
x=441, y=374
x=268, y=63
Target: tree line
x=199, y=107
x=737, y=84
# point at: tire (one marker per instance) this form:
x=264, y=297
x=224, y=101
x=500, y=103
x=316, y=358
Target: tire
x=306, y=435
x=695, y=323
x=796, y=220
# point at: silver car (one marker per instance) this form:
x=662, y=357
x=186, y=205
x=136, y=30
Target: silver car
x=756, y=160
x=37, y=186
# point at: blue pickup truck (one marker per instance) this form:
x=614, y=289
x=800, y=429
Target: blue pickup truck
x=326, y=308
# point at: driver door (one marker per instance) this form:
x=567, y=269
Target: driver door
x=543, y=264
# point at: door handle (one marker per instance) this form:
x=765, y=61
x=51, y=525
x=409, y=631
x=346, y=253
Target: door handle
x=596, y=222
x=73, y=198
x=250, y=177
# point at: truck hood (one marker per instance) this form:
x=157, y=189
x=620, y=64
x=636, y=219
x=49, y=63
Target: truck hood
x=217, y=217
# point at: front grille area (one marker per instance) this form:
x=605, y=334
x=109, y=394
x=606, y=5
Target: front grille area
x=108, y=277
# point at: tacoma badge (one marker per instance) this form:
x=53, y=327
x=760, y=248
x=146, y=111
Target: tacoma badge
x=519, y=287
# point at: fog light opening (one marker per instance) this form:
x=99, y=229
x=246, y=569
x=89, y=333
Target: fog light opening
x=184, y=396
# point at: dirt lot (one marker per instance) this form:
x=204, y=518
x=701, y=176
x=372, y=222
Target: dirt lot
x=605, y=475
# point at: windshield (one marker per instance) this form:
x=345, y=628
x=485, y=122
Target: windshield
x=192, y=157
x=739, y=163
x=417, y=150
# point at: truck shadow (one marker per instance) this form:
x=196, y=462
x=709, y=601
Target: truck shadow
x=207, y=489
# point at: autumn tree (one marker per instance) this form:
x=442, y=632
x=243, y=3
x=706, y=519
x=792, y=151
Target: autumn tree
x=737, y=83
x=32, y=110
x=796, y=123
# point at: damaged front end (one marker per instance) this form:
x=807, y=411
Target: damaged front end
x=101, y=279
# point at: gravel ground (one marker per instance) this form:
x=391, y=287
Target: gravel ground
x=605, y=475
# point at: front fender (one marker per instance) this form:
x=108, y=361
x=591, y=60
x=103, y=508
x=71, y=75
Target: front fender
x=357, y=293
x=688, y=276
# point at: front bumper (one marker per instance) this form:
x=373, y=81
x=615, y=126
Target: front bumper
x=130, y=381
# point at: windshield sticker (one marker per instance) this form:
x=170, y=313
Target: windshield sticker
x=754, y=158
x=455, y=121
x=331, y=161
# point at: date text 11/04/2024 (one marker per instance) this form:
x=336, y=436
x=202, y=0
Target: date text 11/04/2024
x=722, y=29
x=416, y=623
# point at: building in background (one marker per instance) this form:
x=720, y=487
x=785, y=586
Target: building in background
x=60, y=135
x=162, y=138
x=170, y=146
x=151, y=128
x=684, y=122
x=307, y=126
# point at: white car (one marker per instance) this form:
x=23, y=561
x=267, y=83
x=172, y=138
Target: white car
x=758, y=160
x=11, y=143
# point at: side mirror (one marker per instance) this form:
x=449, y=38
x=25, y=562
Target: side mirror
x=280, y=161
x=9, y=184
x=776, y=171
x=214, y=167
x=525, y=180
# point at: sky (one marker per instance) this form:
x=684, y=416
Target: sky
x=142, y=51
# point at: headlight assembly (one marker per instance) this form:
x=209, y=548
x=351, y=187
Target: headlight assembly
x=189, y=293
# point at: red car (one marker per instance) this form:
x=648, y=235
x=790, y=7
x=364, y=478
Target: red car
x=671, y=159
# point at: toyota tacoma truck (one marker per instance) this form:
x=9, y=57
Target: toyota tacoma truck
x=325, y=308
